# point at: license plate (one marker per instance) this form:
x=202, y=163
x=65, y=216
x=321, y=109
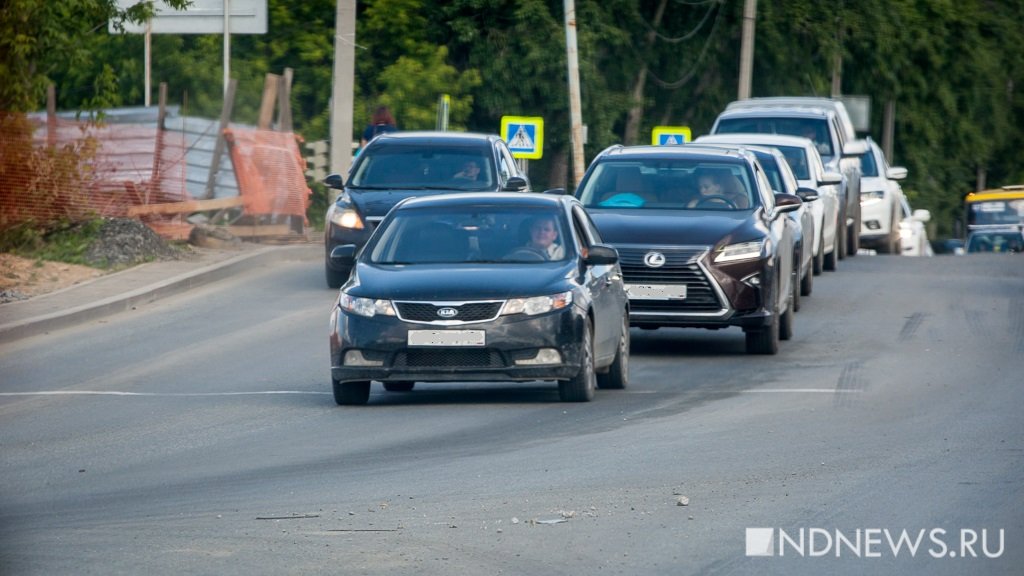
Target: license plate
x=446, y=337
x=656, y=291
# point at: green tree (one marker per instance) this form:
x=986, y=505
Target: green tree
x=40, y=37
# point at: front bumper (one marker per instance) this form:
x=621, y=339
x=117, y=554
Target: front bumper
x=718, y=296
x=509, y=341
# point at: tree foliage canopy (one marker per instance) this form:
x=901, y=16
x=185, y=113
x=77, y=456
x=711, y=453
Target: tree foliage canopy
x=952, y=69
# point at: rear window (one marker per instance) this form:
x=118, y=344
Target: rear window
x=813, y=128
x=797, y=158
x=424, y=167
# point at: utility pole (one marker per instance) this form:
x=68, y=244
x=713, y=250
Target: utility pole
x=342, y=91
x=747, y=49
x=575, y=113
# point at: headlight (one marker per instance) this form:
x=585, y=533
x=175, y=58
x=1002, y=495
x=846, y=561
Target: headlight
x=537, y=304
x=365, y=306
x=345, y=217
x=741, y=251
x=871, y=196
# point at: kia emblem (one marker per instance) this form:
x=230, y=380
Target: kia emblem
x=654, y=259
x=447, y=312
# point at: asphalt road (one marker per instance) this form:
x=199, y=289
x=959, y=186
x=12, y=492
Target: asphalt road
x=197, y=435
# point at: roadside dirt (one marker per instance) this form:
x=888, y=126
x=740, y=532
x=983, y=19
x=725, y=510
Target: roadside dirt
x=22, y=278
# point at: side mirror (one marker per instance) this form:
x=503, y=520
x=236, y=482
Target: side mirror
x=601, y=255
x=855, y=148
x=335, y=181
x=516, y=184
x=830, y=178
x=922, y=215
x=896, y=173
x=807, y=194
x=344, y=255
x=787, y=203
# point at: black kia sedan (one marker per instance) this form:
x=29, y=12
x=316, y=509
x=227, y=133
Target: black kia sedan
x=481, y=287
x=702, y=239
x=398, y=165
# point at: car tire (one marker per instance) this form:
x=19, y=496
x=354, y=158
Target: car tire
x=617, y=376
x=807, y=284
x=786, y=324
x=351, y=393
x=763, y=340
x=818, y=261
x=842, y=232
x=797, y=280
x=853, y=237
x=580, y=388
x=335, y=278
x=399, y=386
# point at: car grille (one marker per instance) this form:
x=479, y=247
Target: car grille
x=449, y=358
x=681, y=267
x=427, y=312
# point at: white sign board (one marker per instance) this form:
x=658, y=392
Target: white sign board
x=202, y=17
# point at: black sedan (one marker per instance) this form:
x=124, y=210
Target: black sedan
x=702, y=239
x=481, y=287
x=398, y=165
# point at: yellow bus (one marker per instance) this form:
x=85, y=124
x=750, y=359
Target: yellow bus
x=997, y=207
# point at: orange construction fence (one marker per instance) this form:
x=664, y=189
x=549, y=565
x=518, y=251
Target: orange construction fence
x=270, y=170
x=65, y=169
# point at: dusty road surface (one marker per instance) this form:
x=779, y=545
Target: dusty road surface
x=198, y=435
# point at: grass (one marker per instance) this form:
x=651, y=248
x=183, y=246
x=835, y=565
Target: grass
x=63, y=242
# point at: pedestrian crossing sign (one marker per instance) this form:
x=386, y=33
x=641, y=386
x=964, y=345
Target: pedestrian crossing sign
x=524, y=136
x=669, y=135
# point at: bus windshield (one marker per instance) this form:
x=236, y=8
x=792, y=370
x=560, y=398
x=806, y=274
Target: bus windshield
x=995, y=208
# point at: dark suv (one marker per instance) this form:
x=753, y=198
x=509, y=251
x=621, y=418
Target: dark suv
x=692, y=256
x=398, y=165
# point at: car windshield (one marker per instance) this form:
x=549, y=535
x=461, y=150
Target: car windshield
x=424, y=167
x=471, y=234
x=814, y=129
x=996, y=242
x=668, y=183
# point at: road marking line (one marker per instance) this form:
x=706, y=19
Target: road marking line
x=799, y=390
x=165, y=394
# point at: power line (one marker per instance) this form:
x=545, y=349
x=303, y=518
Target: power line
x=689, y=34
x=693, y=70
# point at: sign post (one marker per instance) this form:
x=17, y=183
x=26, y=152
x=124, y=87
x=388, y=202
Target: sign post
x=524, y=136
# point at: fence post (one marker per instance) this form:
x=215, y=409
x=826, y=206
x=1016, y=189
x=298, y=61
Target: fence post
x=51, y=116
x=218, y=149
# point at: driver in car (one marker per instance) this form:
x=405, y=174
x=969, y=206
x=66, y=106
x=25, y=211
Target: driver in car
x=543, y=240
x=714, y=187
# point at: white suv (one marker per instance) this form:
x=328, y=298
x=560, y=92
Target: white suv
x=880, y=199
x=824, y=121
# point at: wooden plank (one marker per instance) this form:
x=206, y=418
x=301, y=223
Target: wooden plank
x=270, y=84
x=260, y=230
x=188, y=206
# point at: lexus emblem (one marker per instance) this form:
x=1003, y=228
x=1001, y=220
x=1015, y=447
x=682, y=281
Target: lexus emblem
x=447, y=312
x=654, y=259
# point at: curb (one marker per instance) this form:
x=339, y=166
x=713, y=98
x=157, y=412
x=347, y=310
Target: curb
x=35, y=326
